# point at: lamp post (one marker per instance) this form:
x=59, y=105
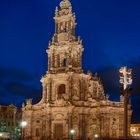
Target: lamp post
x=126, y=81
x=96, y=136
x=14, y=117
x=72, y=133
x=1, y=134
x=23, y=124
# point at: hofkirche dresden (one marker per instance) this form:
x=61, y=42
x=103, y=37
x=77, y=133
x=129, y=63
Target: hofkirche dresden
x=71, y=99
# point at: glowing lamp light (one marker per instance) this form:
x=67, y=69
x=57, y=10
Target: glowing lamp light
x=23, y=124
x=72, y=132
x=134, y=129
x=96, y=136
x=1, y=134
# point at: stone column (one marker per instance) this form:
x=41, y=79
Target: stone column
x=48, y=58
x=55, y=61
x=70, y=87
x=69, y=123
x=58, y=60
x=121, y=125
x=61, y=61
x=43, y=128
x=56, y=28
x=50, y=127
x=49, y=86
x=82, y=127
x=82, y=97
x=27, y=131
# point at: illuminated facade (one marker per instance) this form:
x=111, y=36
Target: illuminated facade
x=9, y=115
x=71, y=99
x=135, y=130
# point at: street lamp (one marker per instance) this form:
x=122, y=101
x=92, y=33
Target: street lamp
x=23, y=124
x=96, y=136
x=72, y=133
x=1, y=134
x=125, y=77
x=126, y=81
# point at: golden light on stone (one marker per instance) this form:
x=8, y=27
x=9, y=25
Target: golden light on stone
x=70, y=97
x=1, y=134
x=23, y=124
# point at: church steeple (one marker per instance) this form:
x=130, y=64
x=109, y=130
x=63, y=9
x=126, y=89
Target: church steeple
x=65, y=50
x=65, y=21
x=64, y=4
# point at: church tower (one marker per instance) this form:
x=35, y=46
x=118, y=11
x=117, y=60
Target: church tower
x=65, y=50
x=71, y=99
x=65, y=79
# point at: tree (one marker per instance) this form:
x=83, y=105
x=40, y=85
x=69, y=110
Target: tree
x=3, y=126
x=16, y=133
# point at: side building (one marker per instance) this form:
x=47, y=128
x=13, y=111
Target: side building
x=10, y=117
x=135, y=131
x=71, y=99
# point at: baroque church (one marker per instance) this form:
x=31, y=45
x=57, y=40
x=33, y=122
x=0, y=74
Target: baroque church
x=71, y=99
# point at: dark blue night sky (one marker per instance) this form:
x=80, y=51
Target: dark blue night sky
x=111, y=37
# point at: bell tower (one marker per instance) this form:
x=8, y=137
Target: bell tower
x=71, y=100
x=65, y=49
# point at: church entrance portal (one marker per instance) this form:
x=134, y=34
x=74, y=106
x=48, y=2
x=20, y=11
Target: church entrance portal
x=58, y=132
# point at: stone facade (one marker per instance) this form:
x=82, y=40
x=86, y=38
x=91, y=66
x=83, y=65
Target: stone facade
x=135, y=130
x=70, y=98
x=10, y=115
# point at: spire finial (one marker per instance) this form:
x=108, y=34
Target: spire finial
x=64, y=4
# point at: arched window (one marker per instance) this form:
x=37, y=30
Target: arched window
x=61, y=90
x=64, y=63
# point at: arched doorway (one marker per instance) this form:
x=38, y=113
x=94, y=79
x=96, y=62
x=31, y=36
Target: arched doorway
x=58, y=131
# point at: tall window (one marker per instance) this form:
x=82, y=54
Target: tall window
x=61, y=90
x=64, y=63
x=37, y=132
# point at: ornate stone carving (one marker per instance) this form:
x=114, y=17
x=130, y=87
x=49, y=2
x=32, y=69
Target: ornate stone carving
x=75, y=94
x=71, y=99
